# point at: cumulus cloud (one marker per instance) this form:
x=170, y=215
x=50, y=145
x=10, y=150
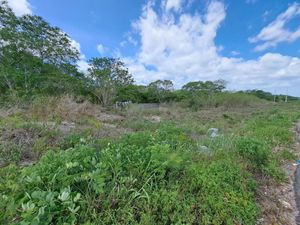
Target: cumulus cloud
x=81, y=63
x=183, y=50
x=173, y=4
x=20, y=7
x=276, y=32
x=101, y=49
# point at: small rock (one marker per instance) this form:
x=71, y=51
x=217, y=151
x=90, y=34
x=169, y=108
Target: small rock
x=155, y=119
x=285, y=204
x=213, y=132
x=204, y=148
x=260, y=221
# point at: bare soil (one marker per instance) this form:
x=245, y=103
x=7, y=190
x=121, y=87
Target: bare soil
x=278, y=201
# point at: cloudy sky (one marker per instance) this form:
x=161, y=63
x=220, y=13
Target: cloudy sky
x=252, y=44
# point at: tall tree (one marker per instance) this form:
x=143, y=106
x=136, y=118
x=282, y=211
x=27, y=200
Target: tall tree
x=107, y=76
x=207, y=87
x=160, y=90
x=32, y=53
x=49, y=43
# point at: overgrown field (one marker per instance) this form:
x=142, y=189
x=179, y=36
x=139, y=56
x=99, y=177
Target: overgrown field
x=155, y=166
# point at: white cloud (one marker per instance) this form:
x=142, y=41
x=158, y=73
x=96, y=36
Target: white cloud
x=81, y=63
x=20, y=7
x=276, y=32
x=235, y=53
x=251, y=1
x=184, y=50
x=265, y=15
x=101, y=49
x=75, y=44
x=173, y=4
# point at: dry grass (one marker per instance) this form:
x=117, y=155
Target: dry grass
x=5, y=112
x=63, y=108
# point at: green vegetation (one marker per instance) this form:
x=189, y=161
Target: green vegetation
x=67, y=157
x=37, y=59
x=157, y=176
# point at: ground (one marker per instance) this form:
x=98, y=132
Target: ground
x=258, y=138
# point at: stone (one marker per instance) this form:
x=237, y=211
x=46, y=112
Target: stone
x=286, y=204
x=213, y=132
x=204, y=148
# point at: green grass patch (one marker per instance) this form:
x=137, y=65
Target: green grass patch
x=154, y=176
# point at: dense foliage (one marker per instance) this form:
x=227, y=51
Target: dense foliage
x=37, y=58
x=148, y=177
x=162, y=172
x=142, y=179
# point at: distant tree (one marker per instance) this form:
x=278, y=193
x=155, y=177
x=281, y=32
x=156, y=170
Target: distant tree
x=133, y=93
x=107, y=76
x=198, y=94
x=206, y=87
x=160, y=90
x=162, y=85
x=261, y=94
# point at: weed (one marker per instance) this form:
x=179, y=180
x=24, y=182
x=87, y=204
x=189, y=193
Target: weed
x=287, y=154
x=10, y=153
x=156, y=175
x=254, y=150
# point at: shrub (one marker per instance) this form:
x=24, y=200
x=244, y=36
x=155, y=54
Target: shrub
x=140, y=179
x=287, y=155
x=254, y=150
x=233, y=100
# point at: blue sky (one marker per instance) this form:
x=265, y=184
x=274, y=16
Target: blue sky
x=249, y=43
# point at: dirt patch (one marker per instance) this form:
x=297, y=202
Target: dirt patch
x=108, y=118
x=277, y=201
x=297, y=175
x=153, y=119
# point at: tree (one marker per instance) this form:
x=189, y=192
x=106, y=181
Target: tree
x=133, y=93
x=162, y=85
x=198, y=94
x=8, y=46
x=160, y=90
x=33, y=54
x=50, y=44
x=107, y=75
x=207, y=87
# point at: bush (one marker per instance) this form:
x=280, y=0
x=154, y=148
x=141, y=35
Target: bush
x=225, y=99
x=143, y=178
x=254, y=150
x=233, y=100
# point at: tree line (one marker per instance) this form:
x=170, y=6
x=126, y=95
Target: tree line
x=39, y=59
